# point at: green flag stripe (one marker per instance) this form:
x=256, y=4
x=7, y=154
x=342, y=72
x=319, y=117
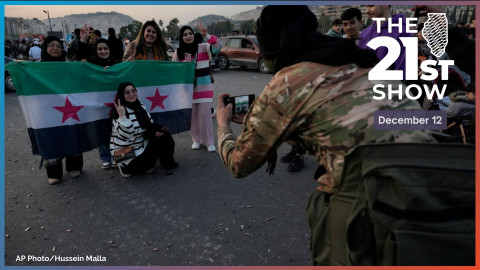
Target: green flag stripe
x=38, y=78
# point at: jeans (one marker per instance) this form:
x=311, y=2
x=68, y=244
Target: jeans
x=104, y=154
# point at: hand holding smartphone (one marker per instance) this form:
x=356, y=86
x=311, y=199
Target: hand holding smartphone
x=241, y=104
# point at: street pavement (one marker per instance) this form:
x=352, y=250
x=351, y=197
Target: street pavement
x=200, y=215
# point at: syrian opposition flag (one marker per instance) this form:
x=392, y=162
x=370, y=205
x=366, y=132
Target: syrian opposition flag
x=67, y=105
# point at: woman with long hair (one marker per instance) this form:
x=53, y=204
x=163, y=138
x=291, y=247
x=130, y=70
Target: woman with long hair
x=133, y=126
x=192, y=47
x=149, y=44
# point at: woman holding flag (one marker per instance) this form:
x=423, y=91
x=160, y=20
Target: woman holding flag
x=52, y=51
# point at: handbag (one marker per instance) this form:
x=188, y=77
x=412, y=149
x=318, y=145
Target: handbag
x=124, y=153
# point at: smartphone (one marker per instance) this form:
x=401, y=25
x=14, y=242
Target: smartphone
x=241, y=104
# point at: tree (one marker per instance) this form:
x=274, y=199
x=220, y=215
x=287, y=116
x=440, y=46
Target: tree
x=172, y=28
x=248, y=26
x=220, y=28
x=324, y=23
x=131, y=31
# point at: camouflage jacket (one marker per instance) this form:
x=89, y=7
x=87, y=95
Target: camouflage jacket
x=323, y=109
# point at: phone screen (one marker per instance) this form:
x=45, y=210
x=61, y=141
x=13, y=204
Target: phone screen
x=241, y=104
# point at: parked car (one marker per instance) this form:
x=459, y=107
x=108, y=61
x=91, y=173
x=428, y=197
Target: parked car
x=9, y=87
x=241, y=51
x=172, y=46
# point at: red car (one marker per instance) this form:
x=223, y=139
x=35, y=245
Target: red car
x=241, y=51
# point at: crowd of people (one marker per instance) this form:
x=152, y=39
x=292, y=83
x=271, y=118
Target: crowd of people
x=131, y=122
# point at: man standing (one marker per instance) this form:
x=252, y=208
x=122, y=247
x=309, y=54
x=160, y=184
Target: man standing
x=116, y=45
x=371, y=32
x=336, y=30
x=73, y=45
x=351, y=22
x=35, y=52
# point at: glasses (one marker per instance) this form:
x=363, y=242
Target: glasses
x=93, y=36
x=133, y=91
x=58, y=46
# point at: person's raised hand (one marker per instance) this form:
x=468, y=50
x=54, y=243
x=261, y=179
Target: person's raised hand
x=131, y=58
x=84, y=32
x=120, y=109
x=202, y=29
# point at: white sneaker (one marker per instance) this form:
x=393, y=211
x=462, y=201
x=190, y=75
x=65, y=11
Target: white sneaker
x=195, y=145
x=106, y=165
x=211, y=148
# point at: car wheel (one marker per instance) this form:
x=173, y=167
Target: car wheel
x=223, y=63
x=9, y=87
x=262, y=67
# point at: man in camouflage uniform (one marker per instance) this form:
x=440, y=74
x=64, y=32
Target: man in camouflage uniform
x=326, y=110
x=323, y=108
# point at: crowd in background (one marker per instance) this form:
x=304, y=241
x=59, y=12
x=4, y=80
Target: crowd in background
x=458, y=101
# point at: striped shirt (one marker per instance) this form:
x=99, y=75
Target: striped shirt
x=203, y=90
x=125, y=131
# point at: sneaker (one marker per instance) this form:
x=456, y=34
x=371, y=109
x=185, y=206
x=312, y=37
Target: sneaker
x=53, y=181
x=289, y=156
x=195, y=145
x=296, y=165
x=211, y=148
x=214, y=113
x=106, y=165
x=126, y=175
x=74, y=174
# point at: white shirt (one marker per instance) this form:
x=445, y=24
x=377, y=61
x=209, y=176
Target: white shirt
x=35, y=53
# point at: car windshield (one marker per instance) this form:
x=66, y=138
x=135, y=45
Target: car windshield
x=254, y=39
x=174, y=44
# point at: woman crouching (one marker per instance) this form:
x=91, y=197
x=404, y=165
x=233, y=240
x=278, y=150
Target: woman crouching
x=132, y=126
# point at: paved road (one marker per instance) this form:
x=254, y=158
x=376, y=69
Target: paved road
x=200, y=215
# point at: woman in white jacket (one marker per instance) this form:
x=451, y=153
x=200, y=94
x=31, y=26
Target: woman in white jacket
x=133, y=126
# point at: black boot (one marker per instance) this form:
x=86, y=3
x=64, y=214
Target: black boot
x=289, y=156
x=296, y=165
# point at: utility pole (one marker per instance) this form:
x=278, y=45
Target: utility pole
x=63, y=30
x=48, y=14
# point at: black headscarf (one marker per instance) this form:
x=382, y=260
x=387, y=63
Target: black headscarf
x=47, y=57
x=101, y=61
x=184, y=48
x=138, y=110
x=289, y=35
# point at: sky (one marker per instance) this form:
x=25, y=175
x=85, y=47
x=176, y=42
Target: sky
x=185, y=13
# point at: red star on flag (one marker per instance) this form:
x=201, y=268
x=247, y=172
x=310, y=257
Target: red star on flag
x=69, y=111
x=110, y=105
x=157, y=100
